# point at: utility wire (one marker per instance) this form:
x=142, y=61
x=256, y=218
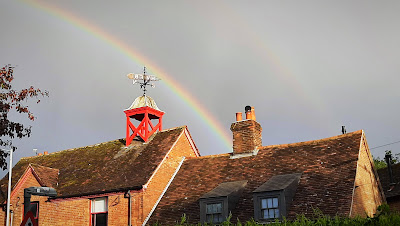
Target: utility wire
x=385, y=145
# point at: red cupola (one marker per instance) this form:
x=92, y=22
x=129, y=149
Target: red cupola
x=143, y=109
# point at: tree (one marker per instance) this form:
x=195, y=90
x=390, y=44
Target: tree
x=381, y=163
x=11, y=99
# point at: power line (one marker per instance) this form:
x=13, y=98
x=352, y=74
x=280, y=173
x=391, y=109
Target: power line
x=385, y=145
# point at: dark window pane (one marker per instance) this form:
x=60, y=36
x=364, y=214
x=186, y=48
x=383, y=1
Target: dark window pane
x=276, y=213
x=215, y=218
x=219, y=217
x=271, y=213
x=99, y=219
x=209, y=208
x=214, y=208
x=219, y=208
x=264, y=214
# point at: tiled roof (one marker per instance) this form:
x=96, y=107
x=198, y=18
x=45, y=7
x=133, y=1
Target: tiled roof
x=390, y=191
x=48, y=177
x=102, y=167
x=327, y=167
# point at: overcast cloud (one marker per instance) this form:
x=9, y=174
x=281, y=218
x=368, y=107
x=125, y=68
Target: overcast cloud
x=308, y=67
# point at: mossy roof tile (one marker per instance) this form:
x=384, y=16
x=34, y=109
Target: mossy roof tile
x=48, y=177
x=102, y=167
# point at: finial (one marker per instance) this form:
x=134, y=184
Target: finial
x=143, y=80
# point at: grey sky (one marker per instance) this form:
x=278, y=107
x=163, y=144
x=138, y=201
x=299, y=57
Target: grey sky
x=308, y=67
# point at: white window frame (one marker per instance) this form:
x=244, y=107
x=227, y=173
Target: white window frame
x=93, y=212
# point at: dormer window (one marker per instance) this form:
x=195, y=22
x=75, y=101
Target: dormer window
x=216, y=204
x=214, y=212
x=273, y=198
x=270, y=208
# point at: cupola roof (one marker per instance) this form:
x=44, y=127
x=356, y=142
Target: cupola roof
x=144, y=101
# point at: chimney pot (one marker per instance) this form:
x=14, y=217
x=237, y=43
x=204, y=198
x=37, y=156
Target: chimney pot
x=248, y=115
x=239, y=116
x=246, y=134
x=253, y=114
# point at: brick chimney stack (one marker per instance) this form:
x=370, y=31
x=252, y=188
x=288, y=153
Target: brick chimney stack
x=246, y=133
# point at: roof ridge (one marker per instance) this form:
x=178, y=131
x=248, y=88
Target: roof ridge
x=72, y=149
x=173, y=128
x=311, y=141
x=210, y=156
x=33, y=164
x=281, y=145
x=93, y=145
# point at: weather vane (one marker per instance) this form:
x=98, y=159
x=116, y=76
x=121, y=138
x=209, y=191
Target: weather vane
x=143, y=80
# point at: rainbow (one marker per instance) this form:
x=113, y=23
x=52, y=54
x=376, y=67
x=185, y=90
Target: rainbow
x=259, y=43
x=134, y=55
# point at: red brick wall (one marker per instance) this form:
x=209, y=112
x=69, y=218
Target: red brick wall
x=118, y=209
x=367, y=193
x=17, y=198
x=246, y=136
x=167, y=168
x=75, y=211
x=137, y=209
x=71, y=211
x=65, y=212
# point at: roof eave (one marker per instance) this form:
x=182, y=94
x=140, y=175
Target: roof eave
x=134, y=188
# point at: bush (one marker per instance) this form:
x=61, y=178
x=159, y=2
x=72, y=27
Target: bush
x=384, y=217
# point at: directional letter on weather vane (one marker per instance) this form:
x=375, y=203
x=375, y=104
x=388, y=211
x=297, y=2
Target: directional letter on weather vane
x=143, y=80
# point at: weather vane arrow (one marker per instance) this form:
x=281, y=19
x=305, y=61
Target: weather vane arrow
x=143, y=80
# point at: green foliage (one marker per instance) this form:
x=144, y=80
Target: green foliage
x=381, y=163
x=384, y=217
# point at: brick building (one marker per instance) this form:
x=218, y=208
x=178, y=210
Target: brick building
x=129, y=181
x=110, y=183
x=335, y=175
